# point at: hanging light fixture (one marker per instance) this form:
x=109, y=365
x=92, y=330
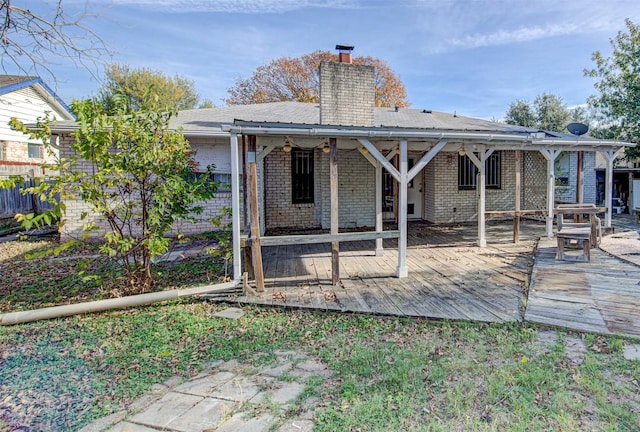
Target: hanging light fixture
x=287, y=145
x=326, y=148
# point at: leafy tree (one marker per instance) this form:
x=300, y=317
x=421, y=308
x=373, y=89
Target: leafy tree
x=32, y=33
x=551, y=113
x=296, y=79
x=148, y=88
x=520, y=113
x=618, y=85
x=140, y=181
x=547, y=112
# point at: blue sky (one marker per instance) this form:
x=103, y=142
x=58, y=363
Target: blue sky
x=473, y=57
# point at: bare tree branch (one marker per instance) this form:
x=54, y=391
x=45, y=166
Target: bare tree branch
x=31, y=40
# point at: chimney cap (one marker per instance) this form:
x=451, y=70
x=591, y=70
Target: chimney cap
x=344, y=47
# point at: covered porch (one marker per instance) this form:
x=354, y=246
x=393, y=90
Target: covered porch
x=449, y=277
x=378, y=146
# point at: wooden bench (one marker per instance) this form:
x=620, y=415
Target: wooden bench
x=574, y=236
x=580, y=234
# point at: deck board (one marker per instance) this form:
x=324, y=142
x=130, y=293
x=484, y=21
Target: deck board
x=600, y=296
x=451, y=278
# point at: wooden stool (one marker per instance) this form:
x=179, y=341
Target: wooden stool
x=578, y=236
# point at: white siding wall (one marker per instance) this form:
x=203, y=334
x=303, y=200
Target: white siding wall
x=27, y=106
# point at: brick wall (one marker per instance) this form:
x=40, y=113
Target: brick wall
x=445, y=203
x=73, y=224
x=347, y=94
x=279, y=210
x=356, y=180
x=356, y=193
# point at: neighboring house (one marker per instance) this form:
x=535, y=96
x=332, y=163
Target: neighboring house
x=392, y=163
x=26, y=98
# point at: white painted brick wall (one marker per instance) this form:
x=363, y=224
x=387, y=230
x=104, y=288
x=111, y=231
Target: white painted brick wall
x=279, y=210
x=72, y=227
x=442, y=195
x=347, y=94
x=357, y=189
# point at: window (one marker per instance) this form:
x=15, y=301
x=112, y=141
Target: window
x=223, y=182
x=467, y=172
x=302, y=176
x=2, y=144
x=562, y=168
x=35, y=151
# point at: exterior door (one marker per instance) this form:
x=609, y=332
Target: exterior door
x=390, y=194
x=414, y=194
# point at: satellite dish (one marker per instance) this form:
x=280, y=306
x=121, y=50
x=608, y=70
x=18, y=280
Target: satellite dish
x=577, y=128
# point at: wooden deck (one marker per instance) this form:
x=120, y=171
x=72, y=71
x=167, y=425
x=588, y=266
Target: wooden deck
x=601, y=296
x=449, y=277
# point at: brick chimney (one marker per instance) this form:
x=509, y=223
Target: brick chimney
x=344, y=53
x=347, y=95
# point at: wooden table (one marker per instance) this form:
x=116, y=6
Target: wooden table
x=585, y=235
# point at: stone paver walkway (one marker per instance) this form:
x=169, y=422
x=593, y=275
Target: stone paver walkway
x=227, y=396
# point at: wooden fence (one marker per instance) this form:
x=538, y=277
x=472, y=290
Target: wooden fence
x=13, y=201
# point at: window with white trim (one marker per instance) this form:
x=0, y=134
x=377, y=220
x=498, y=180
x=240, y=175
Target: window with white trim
x=35, y=151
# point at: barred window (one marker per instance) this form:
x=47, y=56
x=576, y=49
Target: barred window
x=467, y=172
x=302, y=176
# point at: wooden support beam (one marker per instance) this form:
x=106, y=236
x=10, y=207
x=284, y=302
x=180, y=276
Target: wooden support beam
x=379, y=222
x=333, y=187
x=264, y=152
x=518, y=185
x=380, y=158
x=482, y=240
x=245, y=167
x=402, y=270
x=550, y=156
x=235, y=207
x=322, y=238
x=580, y=182
x=424, y=160
x=609, y=156
x=256, y=250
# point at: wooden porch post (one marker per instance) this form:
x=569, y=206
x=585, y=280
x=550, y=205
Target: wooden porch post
x=256, y=250
x=580, y=182
x=551, y=156
x=235, y=207
x=333, y=186
x=245, y=177
x=402, y=270
x=482, y=239
x=479, y=162
x=379, y=225
x=518, y=181
x=580, y=179
x=610, y=156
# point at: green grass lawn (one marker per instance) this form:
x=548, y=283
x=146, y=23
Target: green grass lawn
x=390, y=374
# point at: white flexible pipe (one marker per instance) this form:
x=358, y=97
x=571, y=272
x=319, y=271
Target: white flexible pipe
x=20, y=317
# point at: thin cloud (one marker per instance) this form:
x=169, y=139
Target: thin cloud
x=575, y=22
x=525, y=34
x=236, y=6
